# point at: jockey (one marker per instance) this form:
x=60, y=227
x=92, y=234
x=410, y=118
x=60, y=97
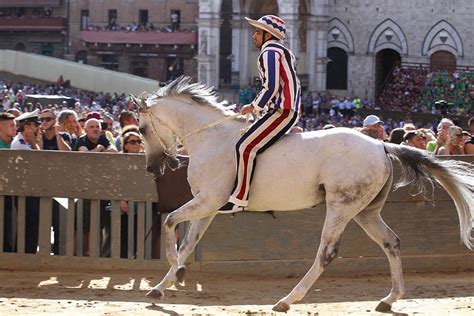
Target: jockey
x=280, y=94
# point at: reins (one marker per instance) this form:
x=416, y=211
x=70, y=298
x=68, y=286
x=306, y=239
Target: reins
x=168, y=150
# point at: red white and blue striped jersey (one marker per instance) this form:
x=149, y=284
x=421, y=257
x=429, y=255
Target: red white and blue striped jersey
x=280, y=84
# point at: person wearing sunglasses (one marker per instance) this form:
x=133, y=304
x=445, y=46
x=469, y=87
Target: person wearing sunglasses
x=53, y=139
x=132, y=141
x=27, y=137
x=131, y=144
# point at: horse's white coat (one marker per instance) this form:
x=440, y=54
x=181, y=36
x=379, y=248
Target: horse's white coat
x=345, y=168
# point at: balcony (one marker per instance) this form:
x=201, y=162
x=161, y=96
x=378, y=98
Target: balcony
x=123, y=37
x=32, y=24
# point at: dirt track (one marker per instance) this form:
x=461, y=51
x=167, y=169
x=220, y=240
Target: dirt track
x=30, y=293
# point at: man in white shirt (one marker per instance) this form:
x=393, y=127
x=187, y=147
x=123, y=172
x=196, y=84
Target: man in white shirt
x=28, y=132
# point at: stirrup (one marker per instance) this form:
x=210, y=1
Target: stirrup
x=230, y=208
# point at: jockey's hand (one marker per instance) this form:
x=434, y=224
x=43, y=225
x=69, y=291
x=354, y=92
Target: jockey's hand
x=246, y=109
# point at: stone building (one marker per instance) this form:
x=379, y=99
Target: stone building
x=155, y=39
x=347, y=47
x=34, y=26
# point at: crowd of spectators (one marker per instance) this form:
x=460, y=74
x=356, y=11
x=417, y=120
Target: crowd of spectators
x=173, y=26
x=14, y=95
x=437, y=92
x=21, y=12
x=98, y=122
x=135, y=27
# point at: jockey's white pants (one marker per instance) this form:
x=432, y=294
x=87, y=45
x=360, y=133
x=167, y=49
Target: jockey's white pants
x=261, y=135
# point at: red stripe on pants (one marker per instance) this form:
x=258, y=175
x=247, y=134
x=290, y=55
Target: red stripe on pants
x=251, y=146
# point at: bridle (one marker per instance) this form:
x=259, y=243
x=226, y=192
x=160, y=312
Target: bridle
x=170, y=158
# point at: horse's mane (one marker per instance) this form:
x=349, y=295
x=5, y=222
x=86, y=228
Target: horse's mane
x=198, y=92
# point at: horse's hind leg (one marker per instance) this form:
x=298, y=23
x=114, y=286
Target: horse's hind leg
x=194, y=233
x=372, y=223
x=334, y=225
x=375, y=227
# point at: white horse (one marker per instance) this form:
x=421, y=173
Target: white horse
x=351, y=172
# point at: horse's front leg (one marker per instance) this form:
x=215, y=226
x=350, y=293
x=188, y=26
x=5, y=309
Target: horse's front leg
x=193, y=235
x=195, y=209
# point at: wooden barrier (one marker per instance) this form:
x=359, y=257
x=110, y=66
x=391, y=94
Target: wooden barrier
x=246, y=243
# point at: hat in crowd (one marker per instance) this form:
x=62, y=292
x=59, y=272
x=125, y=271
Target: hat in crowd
x=271, y=24
x=29, y=117
x=5, y=116
x=94, y=115
x=371, y=120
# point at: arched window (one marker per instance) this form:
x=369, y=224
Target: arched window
x=385, y=62
x=336, y=69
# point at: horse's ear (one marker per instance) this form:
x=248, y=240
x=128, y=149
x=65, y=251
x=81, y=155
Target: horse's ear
x=140, y=103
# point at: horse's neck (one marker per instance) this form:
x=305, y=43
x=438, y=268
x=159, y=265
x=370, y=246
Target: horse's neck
x=191, y=118
x=198, y=127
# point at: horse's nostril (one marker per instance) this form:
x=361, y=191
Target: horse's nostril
x=149, y=169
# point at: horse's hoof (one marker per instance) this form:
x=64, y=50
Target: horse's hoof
x=180, y=275
x=154, y=294
x=281, y=307
x=383, y=307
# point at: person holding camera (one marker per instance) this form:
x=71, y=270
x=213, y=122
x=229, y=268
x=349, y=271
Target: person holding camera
x=454, y=144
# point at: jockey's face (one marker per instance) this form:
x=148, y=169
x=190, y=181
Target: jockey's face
x=260, y=37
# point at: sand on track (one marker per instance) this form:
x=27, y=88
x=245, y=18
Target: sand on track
x=123, y=293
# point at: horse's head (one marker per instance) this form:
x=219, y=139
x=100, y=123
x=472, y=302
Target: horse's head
x=160, y=145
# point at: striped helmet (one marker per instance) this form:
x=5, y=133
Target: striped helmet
x=270, y=23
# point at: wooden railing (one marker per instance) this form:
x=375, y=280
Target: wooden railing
x=246, y=243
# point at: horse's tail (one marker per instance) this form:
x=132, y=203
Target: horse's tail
x=455, y=176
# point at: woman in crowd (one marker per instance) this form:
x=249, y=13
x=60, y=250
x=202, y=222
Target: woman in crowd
x=132, y=144
x=132, y=140
x=454, y=144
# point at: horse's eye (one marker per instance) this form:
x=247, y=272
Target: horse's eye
x=142, y=130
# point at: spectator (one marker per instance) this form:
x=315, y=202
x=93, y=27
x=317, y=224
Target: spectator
x=409, y=127
x=132, y=144
x=470, y=123
x=28, y=136
x=469, y=145
x=415, y=139
x=126, y=118
x=396, y=135
x=453, y=144
x=132, y=140
x=15, y=112
x=442, y=137
x=373, y=127
x=108, y=122
x=93, y=140
x=174, y=20
x=53, y=139
x=67, y=120
x=7, y=130
x=82, y=122
x=103, y=125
